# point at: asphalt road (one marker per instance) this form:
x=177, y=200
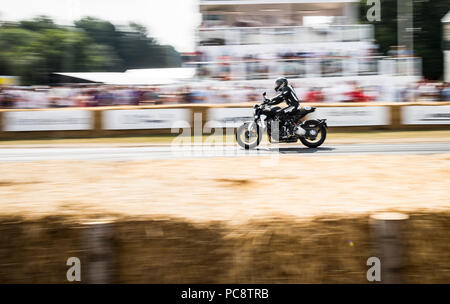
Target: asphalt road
x=179, y=152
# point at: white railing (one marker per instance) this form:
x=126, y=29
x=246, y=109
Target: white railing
x=284, y=34
x=308, y=67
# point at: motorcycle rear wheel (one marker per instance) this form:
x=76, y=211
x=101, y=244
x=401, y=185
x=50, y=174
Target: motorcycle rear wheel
x=319, y=139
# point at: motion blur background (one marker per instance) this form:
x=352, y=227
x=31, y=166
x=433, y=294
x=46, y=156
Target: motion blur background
x=77, y=53
x=89, y=92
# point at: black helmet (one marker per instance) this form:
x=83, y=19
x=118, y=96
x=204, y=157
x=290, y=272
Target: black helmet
x=280, y=83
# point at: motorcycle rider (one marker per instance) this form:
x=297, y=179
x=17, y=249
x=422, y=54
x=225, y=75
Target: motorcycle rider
x=287, y=94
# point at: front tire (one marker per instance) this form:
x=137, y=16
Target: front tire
x=247, y=140
x=319, y=139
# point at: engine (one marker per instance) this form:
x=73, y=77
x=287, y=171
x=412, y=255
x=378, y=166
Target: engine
x=280, y=130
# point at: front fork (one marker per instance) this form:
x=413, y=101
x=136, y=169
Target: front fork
x=255, y=127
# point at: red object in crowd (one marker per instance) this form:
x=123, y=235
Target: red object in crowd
x=313, y=96
x=359, y=96
x=224, y=60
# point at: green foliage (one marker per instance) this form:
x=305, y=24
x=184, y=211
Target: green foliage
x=33, y=49
x=428, y=39
x=427, y=33
x=132, y=44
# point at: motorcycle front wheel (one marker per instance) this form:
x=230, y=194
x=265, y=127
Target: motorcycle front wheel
x=320, y=131
x=248, y=139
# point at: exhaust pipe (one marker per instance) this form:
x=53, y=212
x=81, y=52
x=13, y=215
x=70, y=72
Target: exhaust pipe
x=300, y=131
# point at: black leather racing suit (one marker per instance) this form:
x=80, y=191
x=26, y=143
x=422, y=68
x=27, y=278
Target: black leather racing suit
x=288, y=95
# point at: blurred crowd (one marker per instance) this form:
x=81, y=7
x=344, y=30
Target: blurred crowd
x=294, y=64
x=287, y=53
x=209, y=92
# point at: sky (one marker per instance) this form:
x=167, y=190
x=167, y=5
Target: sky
x=169, y=21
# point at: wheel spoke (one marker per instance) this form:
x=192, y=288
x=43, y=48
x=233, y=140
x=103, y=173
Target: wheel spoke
x=245, y=137
x=317, y=138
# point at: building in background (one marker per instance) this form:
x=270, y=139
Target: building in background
x=315, y=43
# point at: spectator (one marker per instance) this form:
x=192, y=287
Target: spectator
x=314, y=95
x=445, y=95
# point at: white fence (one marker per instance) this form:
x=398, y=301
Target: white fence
x=139, y=118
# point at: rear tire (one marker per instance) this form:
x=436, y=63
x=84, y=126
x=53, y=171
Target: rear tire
x=241, y=133
x=322, y=132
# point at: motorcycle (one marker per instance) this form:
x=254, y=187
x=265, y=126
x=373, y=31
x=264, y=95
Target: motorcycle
x=281, y=126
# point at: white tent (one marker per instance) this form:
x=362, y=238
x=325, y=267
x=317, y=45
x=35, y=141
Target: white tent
x=137, y=76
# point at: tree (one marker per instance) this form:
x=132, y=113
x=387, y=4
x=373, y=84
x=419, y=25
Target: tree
x=18, y=55
x=132, y=44
x=428, y=37
x=36, y=48
x=38, y=23
x=427, y=17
